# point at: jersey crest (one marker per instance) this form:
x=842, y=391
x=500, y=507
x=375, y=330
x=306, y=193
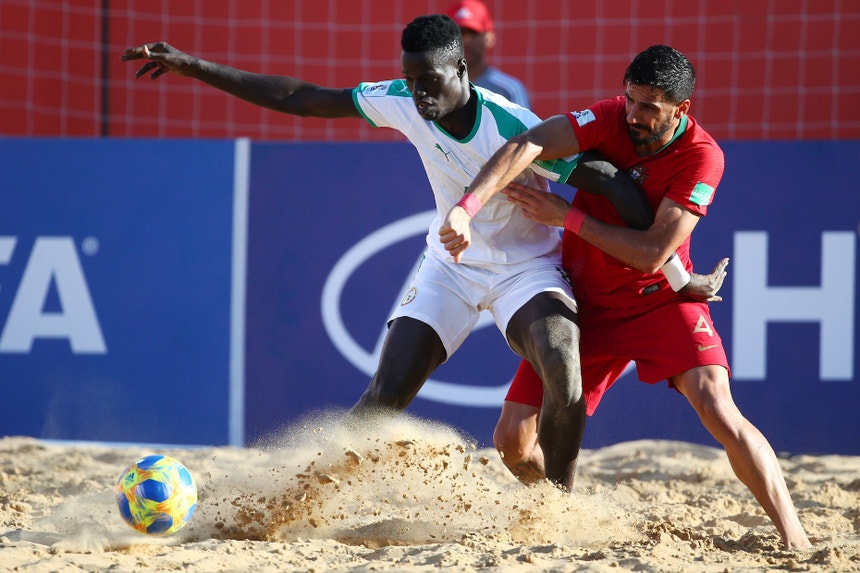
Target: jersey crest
x=638, y=173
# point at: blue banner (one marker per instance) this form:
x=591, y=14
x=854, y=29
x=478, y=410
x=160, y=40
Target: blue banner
x=115, y=281
x=335, y=234
x=336, y=231
x=216, y=292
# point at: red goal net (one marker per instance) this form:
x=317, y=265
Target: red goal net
x=767, y=69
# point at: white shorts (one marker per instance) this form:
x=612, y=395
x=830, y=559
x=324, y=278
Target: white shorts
x=449, y=296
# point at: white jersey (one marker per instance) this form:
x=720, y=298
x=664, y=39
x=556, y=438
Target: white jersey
x=501, y=236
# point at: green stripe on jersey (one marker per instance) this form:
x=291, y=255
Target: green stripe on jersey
x=509, y=125
x=399, y=88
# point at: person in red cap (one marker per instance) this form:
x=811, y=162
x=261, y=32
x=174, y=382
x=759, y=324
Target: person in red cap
x=479, y=36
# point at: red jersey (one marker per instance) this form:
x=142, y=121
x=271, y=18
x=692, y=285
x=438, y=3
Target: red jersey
x=687, y=170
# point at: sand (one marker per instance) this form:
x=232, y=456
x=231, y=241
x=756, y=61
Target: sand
x=414, y=496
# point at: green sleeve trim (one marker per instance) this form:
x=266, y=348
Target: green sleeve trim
x=355, y=93
x=396, y=88
x=557, y=170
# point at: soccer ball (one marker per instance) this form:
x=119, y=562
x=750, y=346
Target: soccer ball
x=156, y=495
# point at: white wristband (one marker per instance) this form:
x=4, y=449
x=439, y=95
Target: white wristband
x=675, y=272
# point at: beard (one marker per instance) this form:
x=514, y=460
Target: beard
x=651, y=136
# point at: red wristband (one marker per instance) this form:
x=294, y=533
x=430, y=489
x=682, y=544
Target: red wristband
x=470, y=203
x=573, y=220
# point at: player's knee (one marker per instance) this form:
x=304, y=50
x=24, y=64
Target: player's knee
x=558, y=364
x=721, y=417
x=723, y=420
x=556, y=345
x=562, y=381
x=563, y=392
x=510, y=444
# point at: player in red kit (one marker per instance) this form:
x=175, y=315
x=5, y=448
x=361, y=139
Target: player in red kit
x=627, y=309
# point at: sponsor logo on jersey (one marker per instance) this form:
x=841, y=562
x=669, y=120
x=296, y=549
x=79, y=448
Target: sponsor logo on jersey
x=445, y=153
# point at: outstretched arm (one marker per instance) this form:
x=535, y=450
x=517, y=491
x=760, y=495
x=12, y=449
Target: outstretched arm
x=279, y=93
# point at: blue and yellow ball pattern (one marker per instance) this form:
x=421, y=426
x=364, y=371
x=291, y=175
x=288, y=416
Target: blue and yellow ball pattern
x=156, y=495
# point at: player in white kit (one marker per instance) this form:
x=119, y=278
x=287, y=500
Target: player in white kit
x=511, y=258
x=513, y=266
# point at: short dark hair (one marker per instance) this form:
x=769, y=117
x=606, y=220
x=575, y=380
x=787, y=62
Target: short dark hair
x=664, y=68
x=432, y=34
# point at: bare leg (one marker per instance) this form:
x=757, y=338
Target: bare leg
x=544, y=332
x=515, y=437
x=411, y=352
x=751, y=456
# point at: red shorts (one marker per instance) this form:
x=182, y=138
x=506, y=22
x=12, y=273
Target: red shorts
x=664, y=342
